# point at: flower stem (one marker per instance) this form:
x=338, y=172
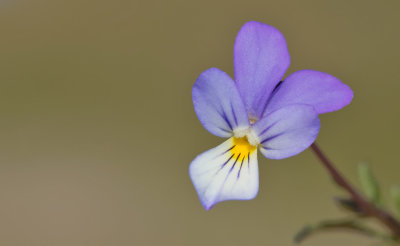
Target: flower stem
x=366, y=206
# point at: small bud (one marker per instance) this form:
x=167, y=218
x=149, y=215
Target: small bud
x=349, y=205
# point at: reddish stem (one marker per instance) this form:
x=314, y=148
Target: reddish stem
x=366, y=206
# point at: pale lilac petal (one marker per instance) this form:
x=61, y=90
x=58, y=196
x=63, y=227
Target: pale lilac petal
x=217, y=103
x=323, y=91
x=287, y=131
x=226, y=172
x=261, y=58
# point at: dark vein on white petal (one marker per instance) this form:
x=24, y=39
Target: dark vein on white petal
x=227, y=150
x=240, y=168
x=248, y=161
x=215, y=174
x=223, y=165
x=233, y=165
x=227, y=175
x=213, y=168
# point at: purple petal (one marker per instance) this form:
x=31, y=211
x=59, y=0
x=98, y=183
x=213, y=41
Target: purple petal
x=261, y=58
x=323, y=91
x=287, y=131
x=217, y=103
x=226, y=172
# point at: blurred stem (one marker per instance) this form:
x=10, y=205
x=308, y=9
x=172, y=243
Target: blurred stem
x=367, y=207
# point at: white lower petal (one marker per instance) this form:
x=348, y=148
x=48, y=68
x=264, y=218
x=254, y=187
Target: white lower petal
x=226, y=172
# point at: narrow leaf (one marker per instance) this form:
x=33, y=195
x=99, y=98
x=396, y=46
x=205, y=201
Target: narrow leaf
x=347, y=224
x=395, y=193
x=369, y=183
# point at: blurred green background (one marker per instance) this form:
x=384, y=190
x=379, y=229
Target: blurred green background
x=97, y=126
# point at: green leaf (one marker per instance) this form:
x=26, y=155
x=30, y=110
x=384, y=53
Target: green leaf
x=304, y=233
x=395, y=193
x=369, y=183
x=345, y=224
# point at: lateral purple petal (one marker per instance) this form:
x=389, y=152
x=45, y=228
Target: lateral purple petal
x=321, y=90
x=261, y=58
x=217, y=103
x=287, y=131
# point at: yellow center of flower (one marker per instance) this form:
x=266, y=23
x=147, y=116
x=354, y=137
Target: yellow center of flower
x=242, y=147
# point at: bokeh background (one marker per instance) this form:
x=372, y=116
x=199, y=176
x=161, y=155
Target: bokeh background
x=97, y=126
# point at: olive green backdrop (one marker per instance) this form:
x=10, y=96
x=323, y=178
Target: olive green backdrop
x=97, y=126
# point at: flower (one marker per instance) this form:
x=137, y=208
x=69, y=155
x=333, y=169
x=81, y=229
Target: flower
x=256, y=111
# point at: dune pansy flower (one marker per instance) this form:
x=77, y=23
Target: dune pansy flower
x=257, y=112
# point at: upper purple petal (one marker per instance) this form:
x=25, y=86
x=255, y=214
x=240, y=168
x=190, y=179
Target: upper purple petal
x=217, y=103
x=287, y=131
x=261, y=58
x=320, y=90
